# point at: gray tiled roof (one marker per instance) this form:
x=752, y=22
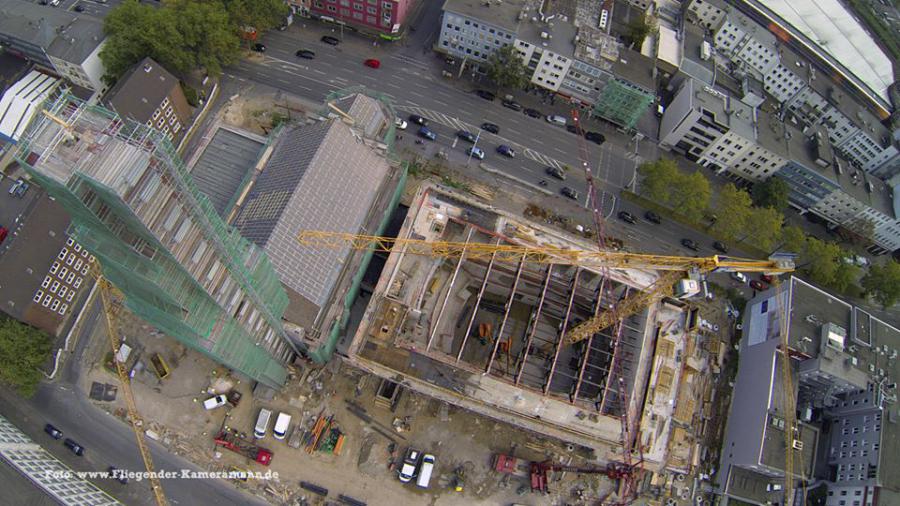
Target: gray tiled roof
x=367, y=113
x=139, y=92
x=221, y=168
x=319, y=177
x=65, y=35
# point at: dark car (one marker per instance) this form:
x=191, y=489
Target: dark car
x=419, y=120
x=627, y=217
x=331, y=41
x=259, y=48
x=306, y=53
x=572, y=129
x=690, y=244
x=534, y=113
x=505, y=150
x=595, y=137
x=76, y=448
x=20, y=191
x=556, y=172
x=79, y=8
x=652, y=217
x=512, y=104
x=766, y=278
x=490, y=127
x=758, y=285
x=465, y=135
x=118, y=475
x=568, y=192
x=3, y=233
x=720, y=247
x=485, y=95
x=53, y=431
x=427, y=134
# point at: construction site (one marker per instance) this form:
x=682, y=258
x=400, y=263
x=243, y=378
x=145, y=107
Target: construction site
x=490, y=335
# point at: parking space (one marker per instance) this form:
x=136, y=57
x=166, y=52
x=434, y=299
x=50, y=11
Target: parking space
x=13, y=208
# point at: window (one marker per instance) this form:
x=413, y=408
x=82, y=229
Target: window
x=38, y=295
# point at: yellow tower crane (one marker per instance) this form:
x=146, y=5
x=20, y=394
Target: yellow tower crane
x=674, y=267
x=111, y=307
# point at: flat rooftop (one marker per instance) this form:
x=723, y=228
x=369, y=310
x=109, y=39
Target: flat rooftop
x=491, y=331
x=500, y=14
x=557, y=36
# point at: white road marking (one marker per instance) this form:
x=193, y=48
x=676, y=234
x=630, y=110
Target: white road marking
x=317, y=71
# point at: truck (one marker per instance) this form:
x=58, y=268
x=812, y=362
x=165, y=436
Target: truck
x=244, y=447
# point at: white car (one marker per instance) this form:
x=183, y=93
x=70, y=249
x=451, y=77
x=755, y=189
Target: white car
x=476, y=152
x=215, y=402
x=410, y=465
x=400, y=124
x=740, y=277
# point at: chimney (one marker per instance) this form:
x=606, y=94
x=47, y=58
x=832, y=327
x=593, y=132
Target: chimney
x=148, y=68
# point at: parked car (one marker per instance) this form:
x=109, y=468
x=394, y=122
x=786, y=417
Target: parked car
x=572, y=129
x=331, y=41
x=465, y=135
x=720, y=247
x=627, y=217
x=372, y=63
x=758, y=285
x=485, y=95
x=15, y=186
x=512, y=104
x=215, y=402
x=306, y=54
x=556, y=119
x=79, y=8
x=117, y=474
x=476, y=152
x=400, y=124
x=76, y=448
x=20, y=191
x=595, y=137
x=419, y=120
x=259, y=48
x=569, y=192
x=690, y=244
x=766, y=278
x=490, y=127
x=427, y=134
x=3, y=233
x=652, y=217
x=740, y=277
x=410, y=465
x=556, y=172
x=533, y=113
x=53, y=431
x=505, y=150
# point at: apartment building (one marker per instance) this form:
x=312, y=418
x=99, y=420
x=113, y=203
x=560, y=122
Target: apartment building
x=547, y=52
x=148, y=93
x=843, y=373
x=381, y=16
x=65, y=43
x=472, y=30
x=135, y=208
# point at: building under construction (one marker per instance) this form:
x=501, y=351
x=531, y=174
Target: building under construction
x=158, y=239
x=487, y=335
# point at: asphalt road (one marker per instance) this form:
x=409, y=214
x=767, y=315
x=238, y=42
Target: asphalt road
x=107, y=440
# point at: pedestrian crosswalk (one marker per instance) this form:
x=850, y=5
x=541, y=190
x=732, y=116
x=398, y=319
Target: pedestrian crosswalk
x=542, y=158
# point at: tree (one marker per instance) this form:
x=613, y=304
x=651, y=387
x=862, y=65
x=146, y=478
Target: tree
x=772, y=192
x=637, y=30
x=24, y=350
x=821, y=261
x=763, y=226
x=657, y=179
x=845, y=277
x=793, y=240
x=506, y=68
x=260, y=14
x=690, y=195
x=182, y=35
x=733, y=210
x=882, y=283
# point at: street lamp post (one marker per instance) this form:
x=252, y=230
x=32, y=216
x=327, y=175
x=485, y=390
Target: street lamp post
x=472, y=149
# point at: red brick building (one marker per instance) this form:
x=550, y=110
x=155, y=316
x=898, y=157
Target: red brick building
x=381, y=16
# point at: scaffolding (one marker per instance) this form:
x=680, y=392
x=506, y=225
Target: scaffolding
x=135, y=207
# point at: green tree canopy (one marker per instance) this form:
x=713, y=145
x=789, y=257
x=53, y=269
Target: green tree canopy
x=506, y=69
x=772, y=192
x=793, y=240
x=690, y=195
x=882, y=283
x=821, y=261
x=733, y=210
x=657, y=179
x=763, y=227
x=24, y=350
x=638, y=29
x=260, y=14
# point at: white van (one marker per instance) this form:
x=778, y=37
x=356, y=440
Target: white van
x=282, y=423
x=262, y=423
x=556, y=120
x=425, y=470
